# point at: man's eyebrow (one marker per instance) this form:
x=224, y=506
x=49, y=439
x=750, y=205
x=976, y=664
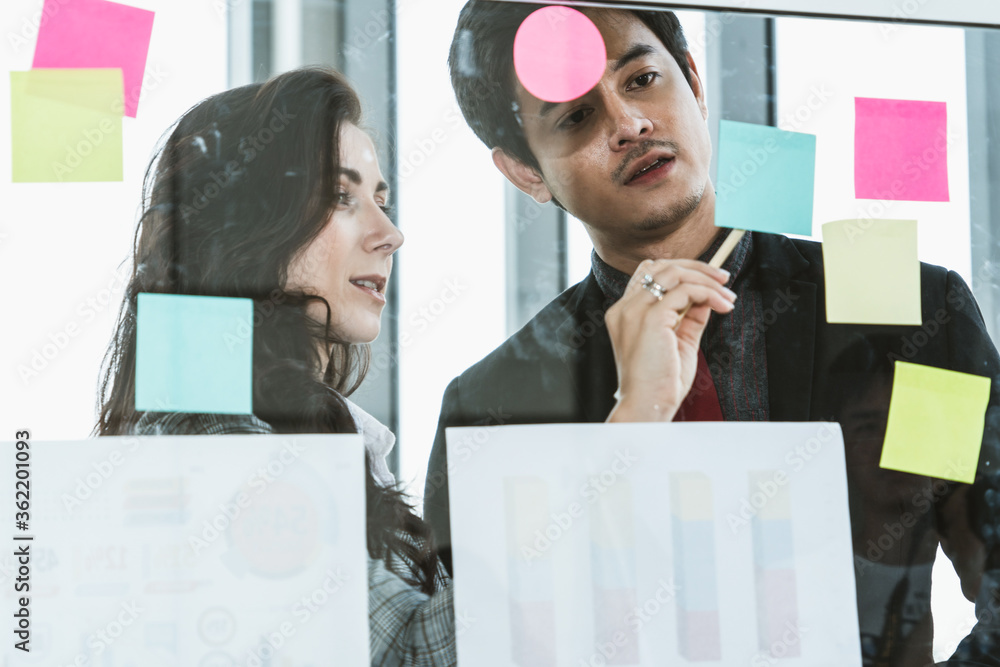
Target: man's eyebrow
x=547, y=107
x=634, y=53
x=355, y=177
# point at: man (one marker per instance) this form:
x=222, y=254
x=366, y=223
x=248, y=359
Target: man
x=630, y=159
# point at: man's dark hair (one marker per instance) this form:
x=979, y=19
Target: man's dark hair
x=482, y=67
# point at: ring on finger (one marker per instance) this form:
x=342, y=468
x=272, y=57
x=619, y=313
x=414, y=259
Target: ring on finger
x=653, y=287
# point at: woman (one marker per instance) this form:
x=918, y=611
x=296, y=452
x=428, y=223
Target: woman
x=272, y=192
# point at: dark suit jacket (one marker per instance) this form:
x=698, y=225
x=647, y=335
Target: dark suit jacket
x=560, y=369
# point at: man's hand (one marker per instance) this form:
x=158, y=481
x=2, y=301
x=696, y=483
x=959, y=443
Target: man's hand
x=656, y=364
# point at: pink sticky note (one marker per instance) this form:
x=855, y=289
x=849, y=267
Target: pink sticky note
x=900, y=150
x=559, y=54
x=96, y=34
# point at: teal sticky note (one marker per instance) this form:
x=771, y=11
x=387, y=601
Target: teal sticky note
x=766, y=179
x=194, y=354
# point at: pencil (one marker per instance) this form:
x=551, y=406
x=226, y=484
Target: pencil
x=718, y=259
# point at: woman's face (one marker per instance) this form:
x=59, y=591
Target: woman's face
x=349, y=262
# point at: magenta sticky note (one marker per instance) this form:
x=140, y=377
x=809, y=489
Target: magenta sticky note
x=96, y=34
x=559, y=54
x=900, y=150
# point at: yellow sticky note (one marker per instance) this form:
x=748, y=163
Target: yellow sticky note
x=872, y=272
x=66, y=125
x=936, y=421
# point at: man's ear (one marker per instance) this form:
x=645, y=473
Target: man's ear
x=525, y=178
x=697, y=86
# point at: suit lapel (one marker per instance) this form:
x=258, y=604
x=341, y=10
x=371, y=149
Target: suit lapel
x=789, y=291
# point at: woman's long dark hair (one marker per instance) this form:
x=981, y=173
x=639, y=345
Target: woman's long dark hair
x=247, y=179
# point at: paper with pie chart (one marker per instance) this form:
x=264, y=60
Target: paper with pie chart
x=194, y=550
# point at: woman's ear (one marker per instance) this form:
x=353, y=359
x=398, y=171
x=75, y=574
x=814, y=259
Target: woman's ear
x=525, y=178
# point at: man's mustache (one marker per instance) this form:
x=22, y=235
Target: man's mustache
x=639, y=151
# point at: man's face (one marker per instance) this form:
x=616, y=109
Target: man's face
x=632, y=155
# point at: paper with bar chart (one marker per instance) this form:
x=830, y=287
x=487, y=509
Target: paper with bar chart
x=193, y=550
x=652, y=544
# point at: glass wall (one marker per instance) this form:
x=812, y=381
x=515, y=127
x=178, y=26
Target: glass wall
x=480, y=258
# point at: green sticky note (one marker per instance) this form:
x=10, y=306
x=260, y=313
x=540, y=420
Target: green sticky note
x=936, y=422
x=766, y=179
x=872, y=272
x=66, y=125
x=194, y=354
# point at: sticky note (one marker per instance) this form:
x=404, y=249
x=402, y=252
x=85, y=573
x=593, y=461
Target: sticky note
x=766, y=179
x=194, y=354
x=936, y=421
x=96, y=34
x=64, y=127
x=872, y=272
x=900, y=150
x=559, y=54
